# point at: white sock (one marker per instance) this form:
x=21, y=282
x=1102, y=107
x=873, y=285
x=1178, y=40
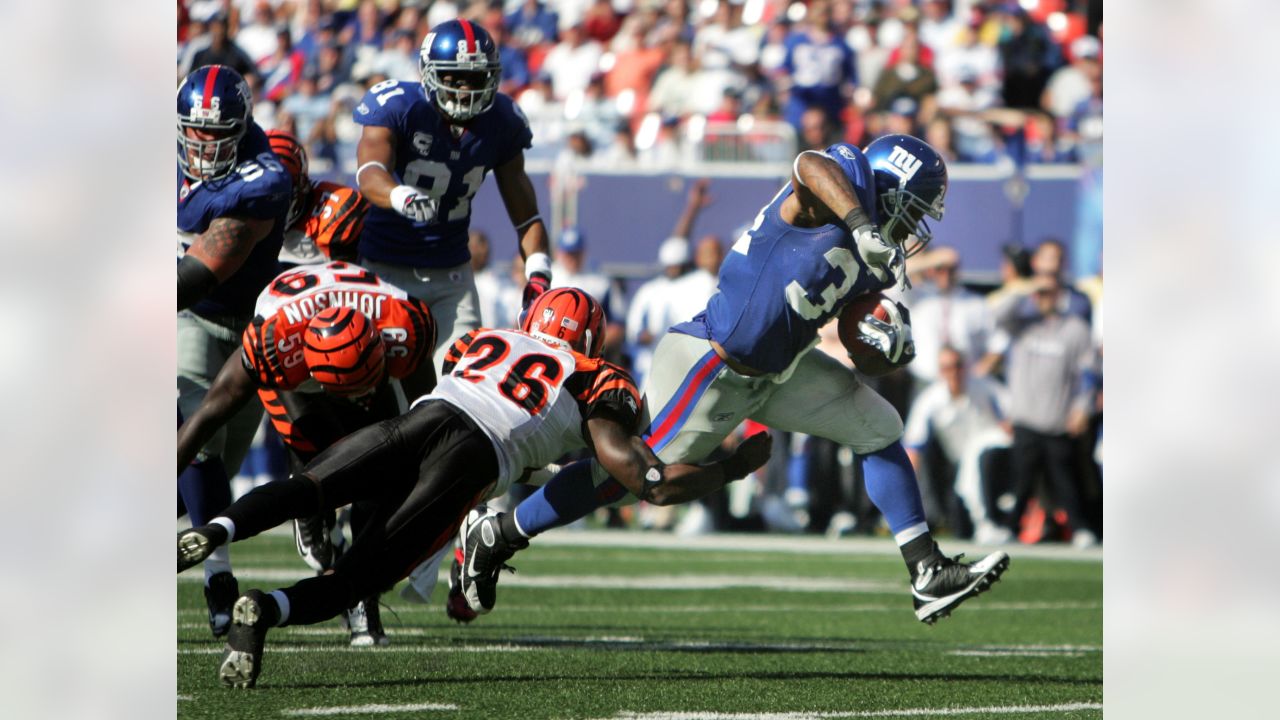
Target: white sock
x=515, y=520
x=911, y=533
x=218, y=562
x=227, y=524
x=282, y=600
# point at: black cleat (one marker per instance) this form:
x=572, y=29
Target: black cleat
x=485, y=552
x=312, y=538
x=942, y=584
x=455, y=604
x=219, y=595
x=253, y=614
x=196, y=544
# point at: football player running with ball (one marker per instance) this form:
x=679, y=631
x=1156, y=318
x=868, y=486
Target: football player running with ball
x=233, y=201
x=510, y=401
x=425, y=149
x=842, y=227
x=332, y=348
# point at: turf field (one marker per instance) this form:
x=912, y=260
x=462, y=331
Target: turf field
x=639, y=625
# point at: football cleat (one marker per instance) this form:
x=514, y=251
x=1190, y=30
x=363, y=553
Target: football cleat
x=455, y=604
x=311, y=537
x=196, y=544
x=365, y=622
x=485, y=552
x=242, y=657
x=942, y=584
x=219, y=594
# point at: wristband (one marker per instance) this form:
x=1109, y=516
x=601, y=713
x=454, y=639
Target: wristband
x=371, y=163
x=652, y=479
x=537, y=263
x=856, y=218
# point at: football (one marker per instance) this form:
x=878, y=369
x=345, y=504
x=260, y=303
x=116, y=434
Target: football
x=867, y=358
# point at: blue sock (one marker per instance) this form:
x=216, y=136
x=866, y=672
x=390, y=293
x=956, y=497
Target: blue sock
x=891, y=485
x=205, y=490
x=566, y=497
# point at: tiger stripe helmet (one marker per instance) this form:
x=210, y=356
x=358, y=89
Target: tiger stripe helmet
x=294, y=158
x=567, y=318
x=344, y=351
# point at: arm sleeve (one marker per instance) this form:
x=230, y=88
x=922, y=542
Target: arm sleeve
x=455, y=352
x=612, y=390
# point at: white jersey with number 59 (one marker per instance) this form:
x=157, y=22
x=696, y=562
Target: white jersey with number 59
x=531, y=399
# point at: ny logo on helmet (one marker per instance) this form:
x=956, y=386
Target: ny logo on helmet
x=903, y=164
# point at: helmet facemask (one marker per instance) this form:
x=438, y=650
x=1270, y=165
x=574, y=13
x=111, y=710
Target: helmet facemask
x=904, y=222
x=454, y=85
x=208, y=159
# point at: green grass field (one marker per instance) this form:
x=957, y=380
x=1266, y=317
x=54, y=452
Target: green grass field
x=637, y=625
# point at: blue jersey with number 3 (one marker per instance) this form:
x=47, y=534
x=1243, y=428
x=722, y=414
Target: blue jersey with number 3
x=781, y=283
x=258, y=188
x=448, y=168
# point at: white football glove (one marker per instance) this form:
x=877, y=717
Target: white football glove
x=884, y=259
x=411, y=203
x=893, y=338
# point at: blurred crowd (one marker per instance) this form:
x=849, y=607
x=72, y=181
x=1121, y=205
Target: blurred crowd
x=1003, y=405
x=656, y=82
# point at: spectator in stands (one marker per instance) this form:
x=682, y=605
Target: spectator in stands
x=816, y=130
x=1072, y=84
x=515, y=66
x=676, y=91
x=1015, y=273
x=329, y=72
x=939, y=27
x=944, y=314
x=1049, y=260
x=307, y=107
x=1052, y=377
x=532, y=24
x=952, y=423
x=223, y=51
x=361, y=39
x=282, y=72
x=1027, y=54
x=649, y=315
x=664, y=152
x=1084, y=133
x=821, y=66
x=572, y=62
x=258, y=37
x=399, y=59
x=621, y=151
x=592, y=111
x=906, y=75
x=600, y=21
x=569, y=269
x=938, y=134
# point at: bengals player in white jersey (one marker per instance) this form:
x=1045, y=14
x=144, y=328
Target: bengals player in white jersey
x=332, y=348
x=510, y=401
x=325, y=218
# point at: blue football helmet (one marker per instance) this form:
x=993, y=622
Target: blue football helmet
x=213, y=100
x=465, y=54
x=911, y=182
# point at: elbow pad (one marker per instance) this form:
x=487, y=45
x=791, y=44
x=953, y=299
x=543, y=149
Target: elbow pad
x=195, y=280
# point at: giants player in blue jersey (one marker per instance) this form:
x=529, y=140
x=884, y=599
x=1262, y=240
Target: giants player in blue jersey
x=424, y=151
x=842, y=227
x=233, y=200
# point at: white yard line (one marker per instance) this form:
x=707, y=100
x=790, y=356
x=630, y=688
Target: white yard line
x=365, y=709
x=905, y=712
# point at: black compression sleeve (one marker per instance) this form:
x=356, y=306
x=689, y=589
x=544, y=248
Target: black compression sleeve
x=195, y=280
x=856, y=218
